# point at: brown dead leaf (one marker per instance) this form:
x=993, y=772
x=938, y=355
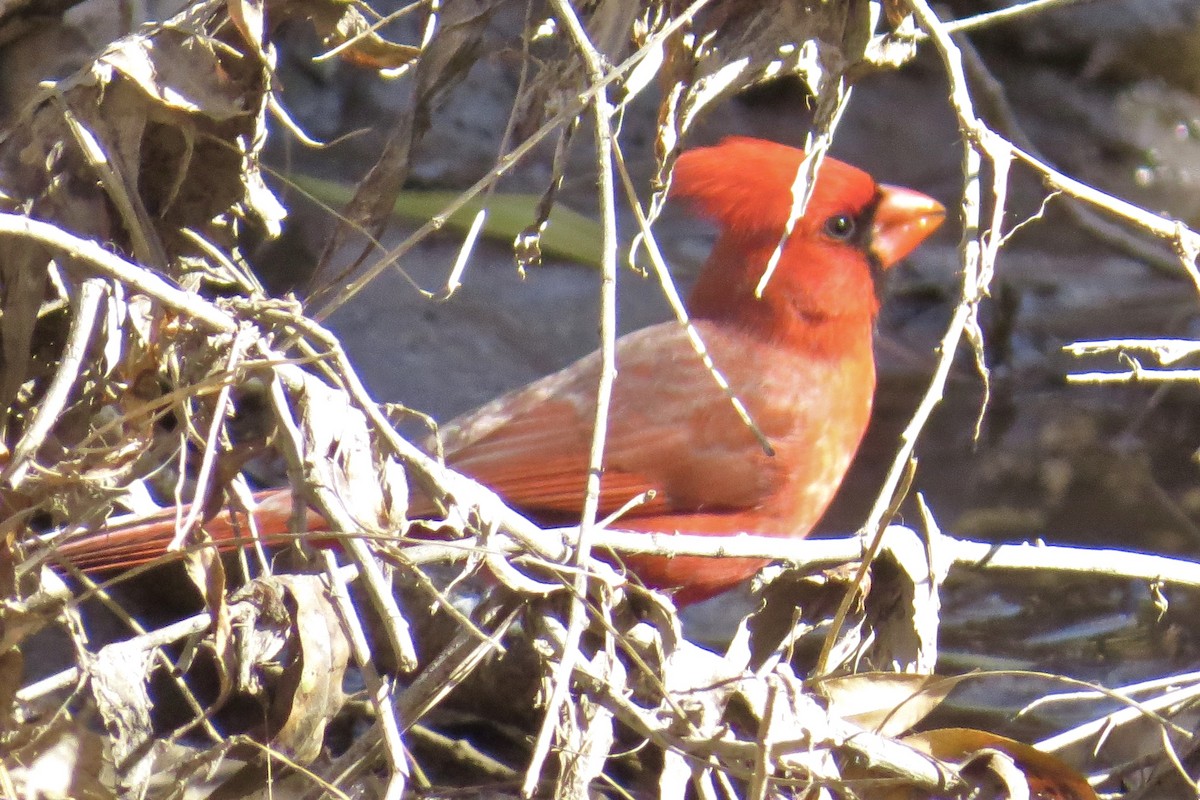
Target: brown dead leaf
x=795, y=604
x=340, y=454
x=902, y=610
x=345, y=31
x=291, y=646
x=587, y=732
x=738, y=44
x=160, y=133
x=895, y=11
x=888, y=703
x=784, y=711
x=249, y=17
x=117, y=678
x=66, y=760
x=262, y=624
x=1047, y=777
x=309, y=694
x=177, y=69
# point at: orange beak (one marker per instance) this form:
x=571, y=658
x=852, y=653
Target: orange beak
x=903, y=219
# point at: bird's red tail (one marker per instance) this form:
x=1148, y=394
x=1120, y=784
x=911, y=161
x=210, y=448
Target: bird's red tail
x=128, y=543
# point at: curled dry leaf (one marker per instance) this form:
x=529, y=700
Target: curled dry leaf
x=892, y=624
x=795, y=603
x=117, y=679
x=345, y=31
x=888, y=703
x=337, y=450
x=1046, y=776
x=736, y=45
x=160, y=134
x=796, y=734
x=902, y=611
x=173, y=76
x=290, y=626
x=66, y=760
x=586, y=729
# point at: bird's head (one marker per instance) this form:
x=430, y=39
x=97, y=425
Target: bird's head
x=830, y=267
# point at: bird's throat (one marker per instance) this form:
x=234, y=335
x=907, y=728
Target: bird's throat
x=830, y=320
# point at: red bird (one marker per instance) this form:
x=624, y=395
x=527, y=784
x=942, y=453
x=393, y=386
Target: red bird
x=800, y=358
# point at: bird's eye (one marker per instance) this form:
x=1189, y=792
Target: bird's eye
x=840, y=227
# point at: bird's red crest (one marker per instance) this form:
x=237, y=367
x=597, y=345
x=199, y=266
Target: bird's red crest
x=745, y=185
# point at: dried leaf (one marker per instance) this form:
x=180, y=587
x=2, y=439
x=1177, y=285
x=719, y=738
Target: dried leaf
x=310, y=690
x=291, y=646
x=66, y=760
x=586, y=733
x=892, y=625
x=888, y=703
x=902, y=610
x=896, y=11
x=249, y=17
x=262, y=626
x=784, y=711
x=340, y=454
x=1046, y=775
x=737, y=45
x=344, y=29
x=795, y=604
x=117, y=678
x=176, y=69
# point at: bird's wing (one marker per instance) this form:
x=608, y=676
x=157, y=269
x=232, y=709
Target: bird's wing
x=670, y=429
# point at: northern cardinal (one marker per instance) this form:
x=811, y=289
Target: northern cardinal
x=800, y=358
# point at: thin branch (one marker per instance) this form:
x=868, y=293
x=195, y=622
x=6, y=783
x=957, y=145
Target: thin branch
x=970, y=247
x=185, y=523
x=83, y=324
x=1167, y=351
x=1136, y=375
x=807, y=553
x=379, y=690
x=1002, y=15
x=648, y=240
x=89, y=253
x=833, y=96
x=1110, y=722
x=1183, y=239
x=570, y=110
x=602, y=111
x=976, y=255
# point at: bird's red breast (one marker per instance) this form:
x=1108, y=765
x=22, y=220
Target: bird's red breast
x=799, y=357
